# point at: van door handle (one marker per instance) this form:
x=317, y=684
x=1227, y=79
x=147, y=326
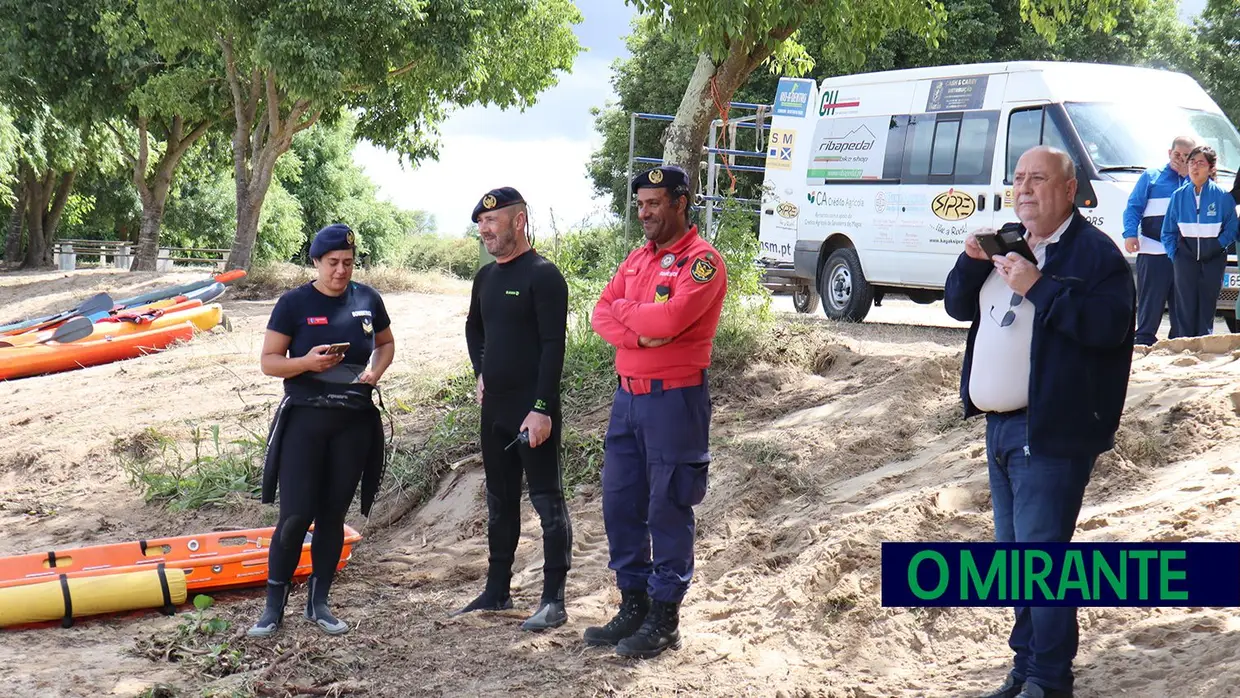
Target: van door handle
x=981, y=202
x=998, y=202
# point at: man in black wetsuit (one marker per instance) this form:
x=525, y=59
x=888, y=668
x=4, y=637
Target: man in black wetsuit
x=518, y=314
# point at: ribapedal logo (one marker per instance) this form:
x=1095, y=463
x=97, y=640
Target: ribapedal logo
x=1061, y=574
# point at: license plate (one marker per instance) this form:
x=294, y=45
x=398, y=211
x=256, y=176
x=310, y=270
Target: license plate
x=1231, y=280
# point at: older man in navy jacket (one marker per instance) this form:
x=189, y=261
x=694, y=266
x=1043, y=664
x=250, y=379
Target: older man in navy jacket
x=1047, y=362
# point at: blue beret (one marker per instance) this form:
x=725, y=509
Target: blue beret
x=497, y=199
x=336, y=236
x=669, y=177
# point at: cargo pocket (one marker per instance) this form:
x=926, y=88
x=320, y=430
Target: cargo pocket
x=689, y=483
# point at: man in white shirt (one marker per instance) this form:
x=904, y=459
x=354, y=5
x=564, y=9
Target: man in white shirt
x=1047, y=362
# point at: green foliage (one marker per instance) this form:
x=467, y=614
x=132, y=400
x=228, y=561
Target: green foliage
x=1218, y=33
x=652, y=80
x=280, y=229
x=457, y=256
x=399, y=66
x=8, y=156
x=214, y=473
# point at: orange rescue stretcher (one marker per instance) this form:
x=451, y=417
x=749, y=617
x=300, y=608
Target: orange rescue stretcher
x=156, y=573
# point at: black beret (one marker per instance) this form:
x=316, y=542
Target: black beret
x=669, y=177
x=336, y=236
x=497, y=199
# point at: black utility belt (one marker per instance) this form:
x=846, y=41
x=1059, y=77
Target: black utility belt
x=351, y=396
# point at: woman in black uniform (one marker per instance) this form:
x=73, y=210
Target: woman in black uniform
x=330, y=341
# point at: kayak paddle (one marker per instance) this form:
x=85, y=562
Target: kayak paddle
x=71, y=331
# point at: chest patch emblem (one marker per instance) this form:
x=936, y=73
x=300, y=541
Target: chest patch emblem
x=667, y=260
x=316, y=321
x=1210, y=211
x=512, y=293
x=662, y=294
x=702, y=271
x=367, y=326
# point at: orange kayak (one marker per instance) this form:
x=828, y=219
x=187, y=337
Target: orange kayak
x=210, y=561
x=20, y=362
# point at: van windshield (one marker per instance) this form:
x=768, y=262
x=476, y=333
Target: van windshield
x=1121, y=136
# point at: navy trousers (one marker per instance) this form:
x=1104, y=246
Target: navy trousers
x=1197, y=285
x=1036, y=499
x=1156, y=291
x=655, y=469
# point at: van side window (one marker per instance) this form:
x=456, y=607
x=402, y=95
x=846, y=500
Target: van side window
x=950, y=148
x=1027, y=128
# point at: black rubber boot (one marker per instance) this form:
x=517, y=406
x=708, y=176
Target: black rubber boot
x=273, y=612
x=316, y=607
x=634, y=605
x=495, y=597
x=660, y=631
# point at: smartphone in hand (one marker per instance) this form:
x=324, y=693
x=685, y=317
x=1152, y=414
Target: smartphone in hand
x=1006, y=239
x=339, y=348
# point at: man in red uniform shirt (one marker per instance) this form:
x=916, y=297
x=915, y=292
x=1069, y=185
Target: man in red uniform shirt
x=660, y=311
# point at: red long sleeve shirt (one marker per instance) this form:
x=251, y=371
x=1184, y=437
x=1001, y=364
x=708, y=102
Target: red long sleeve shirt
x=675, y=293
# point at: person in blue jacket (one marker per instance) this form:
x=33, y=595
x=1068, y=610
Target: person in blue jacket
x=1200, y=225
x=1047, y=360
x=1143, y=236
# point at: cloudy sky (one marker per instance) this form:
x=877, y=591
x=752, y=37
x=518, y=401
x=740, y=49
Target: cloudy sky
x=542, y=152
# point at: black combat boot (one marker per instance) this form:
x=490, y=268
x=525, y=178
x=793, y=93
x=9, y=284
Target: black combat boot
x=660, y=630
x=273, y=613
x=634, y=605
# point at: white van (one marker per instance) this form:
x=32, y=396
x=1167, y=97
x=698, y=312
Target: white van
x=873, y=180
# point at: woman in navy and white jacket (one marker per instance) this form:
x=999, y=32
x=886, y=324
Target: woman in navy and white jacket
x=1200, y=225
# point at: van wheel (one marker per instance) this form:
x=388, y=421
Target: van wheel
x=846, y=295
x=805, y=299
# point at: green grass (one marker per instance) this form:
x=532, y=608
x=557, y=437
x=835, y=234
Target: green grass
x=213, y=472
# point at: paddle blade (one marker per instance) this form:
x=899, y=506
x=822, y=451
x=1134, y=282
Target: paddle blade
x=95, y=304
x=73, y=330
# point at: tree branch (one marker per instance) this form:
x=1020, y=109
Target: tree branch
x=234, y=83
x=139, y=169
x=58, y=206
x=273, y=104
x=133, y=159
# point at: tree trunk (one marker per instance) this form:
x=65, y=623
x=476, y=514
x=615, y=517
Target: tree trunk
x=250, y=196
x=45, y=202
x=258, y=141
x=154, y=192
x=13, y=242
x=711, y=87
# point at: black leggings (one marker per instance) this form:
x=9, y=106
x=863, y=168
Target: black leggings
x=322, y=455
x=542, y=469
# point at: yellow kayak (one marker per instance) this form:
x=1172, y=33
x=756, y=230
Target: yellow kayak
x=203, y=318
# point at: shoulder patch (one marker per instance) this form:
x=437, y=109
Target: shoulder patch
x=702, y=270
